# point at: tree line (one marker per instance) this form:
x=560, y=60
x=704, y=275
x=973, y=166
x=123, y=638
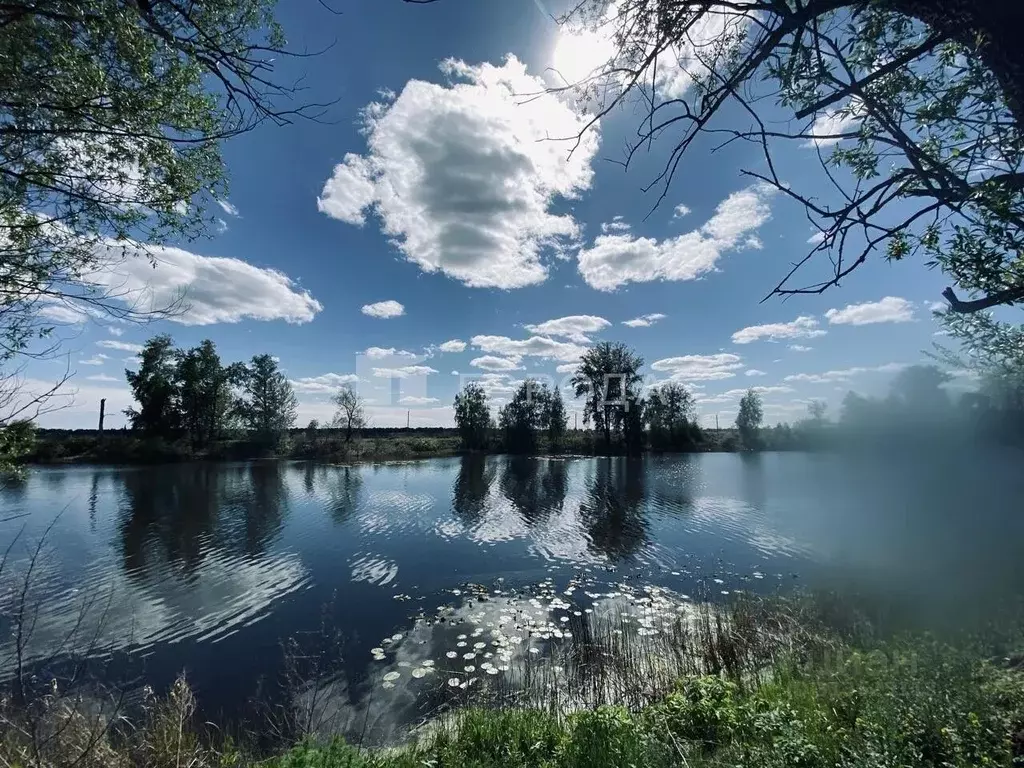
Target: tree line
x=191, y=394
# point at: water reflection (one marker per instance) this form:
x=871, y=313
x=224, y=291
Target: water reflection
x=612, y=510
x=471, y=488
x=535, y=488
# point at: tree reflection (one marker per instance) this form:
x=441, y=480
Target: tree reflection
x=612, y=510
x=469, y=494
x=344, y=489
x=262, y=497
x=534, y=487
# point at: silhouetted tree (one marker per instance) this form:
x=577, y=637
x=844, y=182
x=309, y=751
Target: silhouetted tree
x=749, y=418
x=472, y=416
x=350, y=414
x=156, y=390
x=608, y=376
x=268, y=404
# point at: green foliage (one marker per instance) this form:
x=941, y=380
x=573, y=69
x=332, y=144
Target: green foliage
x=114, y=113
x=557, y=420
x=525, y=416
x=749, y=418
x=472, y=417
x=608, y=376
x=670, y=413
x=17, y=440
x=155, y=388
x=204, y=391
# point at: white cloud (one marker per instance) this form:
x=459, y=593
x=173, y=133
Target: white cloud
x=891, y=309
x=463, y=176
x=324, y=383
x=209, y=289
x=804, y=327
x=492, y=363
x=680, y=211
x=379, y=353
x=222, y=226
x=384, y=309
x=644, y=321
x=497, y=385
x=817, y=238
x=699, y=367
x=123, y=346
x=755, y=372
x=827, y=127
x=567, y=368
x=228, y=208
x=102, y=377
x=453, y=345
x=416, y=400
x=97, y=360
x=937, y=306
x=800, y=348
x=64, y=314
x=404, y=372
x=615, y=260
x=844, y=374
x=535, y=346
x=615, y=225
x=573, y=327
x=735, y=394
x=113, y=330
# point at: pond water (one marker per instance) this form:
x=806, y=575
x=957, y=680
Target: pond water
x=210, y=567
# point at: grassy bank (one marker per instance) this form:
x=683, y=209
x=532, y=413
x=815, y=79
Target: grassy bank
x=798, y=688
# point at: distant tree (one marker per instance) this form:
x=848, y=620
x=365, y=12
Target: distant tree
x=268, y=404
x=16, y=440
x=608, y=376
x=816, y=411
x=472, y=417
x=205, y=397
x=918, y=389
x=155, y=389
x=670, y=416
x=749, y=418
x=633, y=425
x=351, y=413
x=557, y=420
x=523, y=416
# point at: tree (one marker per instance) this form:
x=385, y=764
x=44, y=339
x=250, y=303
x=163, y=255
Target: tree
x=609, y=378
x=749, y=418
x=268, y=404
x=918, y=389
x=523, y=416
x=16, y=440
x=155, y=388
x=351, y=414
x=204, y=390
x=916, y=110
x=472, y=416
x=557, y=420
x=113, y=114
x=670, y=412
x=816, y=410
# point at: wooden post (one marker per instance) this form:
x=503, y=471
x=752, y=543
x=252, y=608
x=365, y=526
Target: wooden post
x=103, y=408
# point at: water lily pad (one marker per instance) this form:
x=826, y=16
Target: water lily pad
x=469, y=668
x=454, y=682
x=452, y=655
x=419, y=672
x=392, y=676
x=387, y=684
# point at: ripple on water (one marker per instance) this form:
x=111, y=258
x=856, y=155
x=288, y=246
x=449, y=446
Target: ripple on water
x=373, y=569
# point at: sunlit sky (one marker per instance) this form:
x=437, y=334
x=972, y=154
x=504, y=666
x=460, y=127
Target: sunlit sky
x=434, y=227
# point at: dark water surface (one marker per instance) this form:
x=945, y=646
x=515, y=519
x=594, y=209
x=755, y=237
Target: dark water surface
x=208, y=568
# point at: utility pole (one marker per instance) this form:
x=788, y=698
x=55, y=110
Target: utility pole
x=407, y=419
x=575, y=420
x=716, y=422
x=103, y=408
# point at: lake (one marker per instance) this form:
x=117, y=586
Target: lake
x=210, y=568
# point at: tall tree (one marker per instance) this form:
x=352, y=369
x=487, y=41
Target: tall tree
x=557, y=420
x=521, y=419
x=156, y=391
x=268, y=404
x=669, y=413
x=749, y=418
x=608, y=377
x=472, y=416
x=204, y=388
x=916, y=110
x=351, y=413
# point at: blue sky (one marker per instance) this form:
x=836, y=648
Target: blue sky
x=429, y=184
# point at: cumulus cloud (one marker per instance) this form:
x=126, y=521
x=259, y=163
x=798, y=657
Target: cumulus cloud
x=615, y=225
x=324, y=383
x=844, y=374
x=644, y=321
x=492, y=363
x=800, y=348
x=699, y=367
x=804, y=326
x=384, y=309
x=755, y=372
x=680, y=210
x=453, y=345
x=535, y=346
x=891, y=309
x=735, y=394
x=829, y=126
x=122, y=346
x=573, y=327
x=379, y=353
x=463, y=176
x=616, y=259
x=403, y=372
x=567, y=368
x=208, y=289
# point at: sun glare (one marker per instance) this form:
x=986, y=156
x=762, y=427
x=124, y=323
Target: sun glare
x=579, y=54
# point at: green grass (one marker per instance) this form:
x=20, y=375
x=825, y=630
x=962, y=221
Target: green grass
x=909, y=702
